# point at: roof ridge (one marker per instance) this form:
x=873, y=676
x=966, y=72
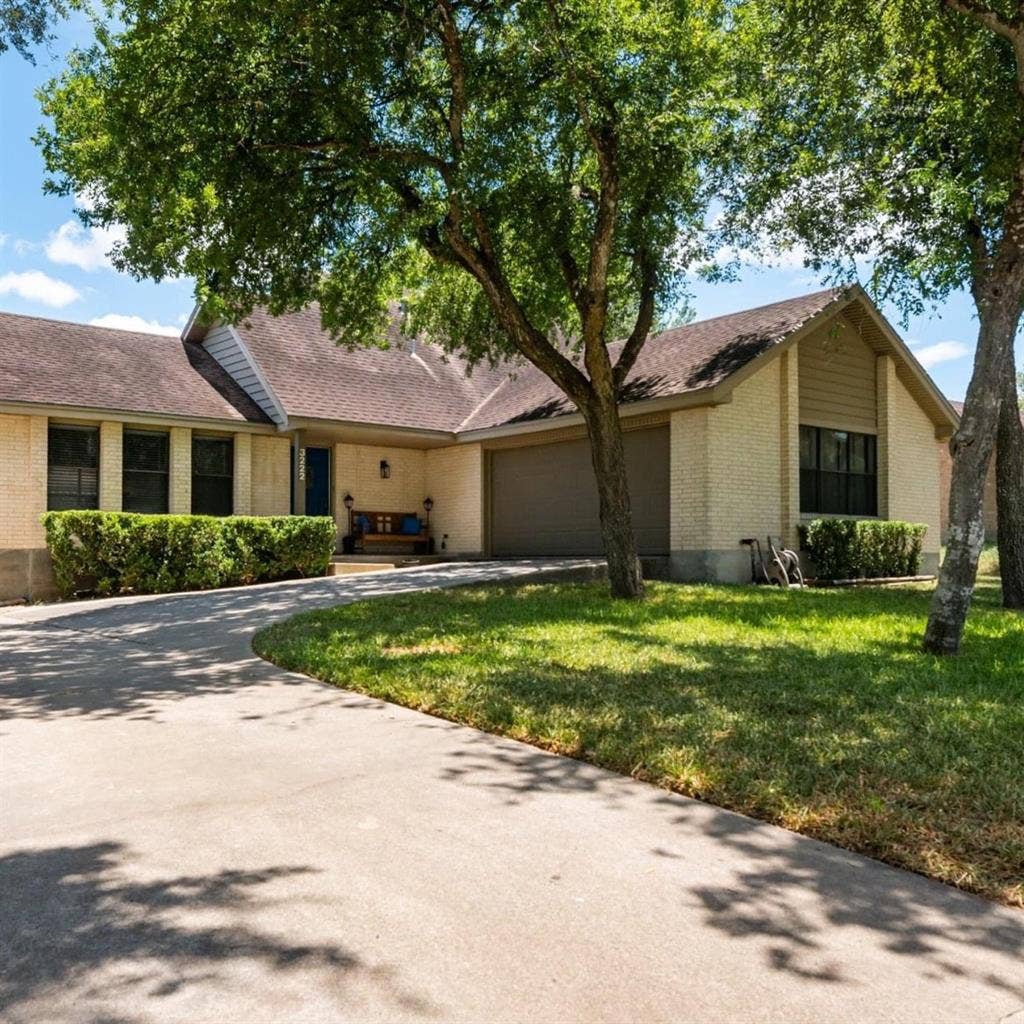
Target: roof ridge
x=835, y=292
x=91, y=327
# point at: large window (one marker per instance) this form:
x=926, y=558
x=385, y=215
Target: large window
x=838, y=473
x=212, y=476
x=73, y=473
x=144, y=479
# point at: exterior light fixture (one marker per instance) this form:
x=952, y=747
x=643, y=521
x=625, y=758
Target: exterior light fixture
x=428, y=504
x=385, y=470
x=348, y=501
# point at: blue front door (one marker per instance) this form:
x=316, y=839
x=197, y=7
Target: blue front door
x=318, y=481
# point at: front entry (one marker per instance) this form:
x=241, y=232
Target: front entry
x=318, y=481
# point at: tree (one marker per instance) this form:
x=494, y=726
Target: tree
x=518, y=173
x=28, y=23
x=893, y=131
x=1010, y=489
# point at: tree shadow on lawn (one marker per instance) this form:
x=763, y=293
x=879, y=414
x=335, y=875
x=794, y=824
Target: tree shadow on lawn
x=73, y=919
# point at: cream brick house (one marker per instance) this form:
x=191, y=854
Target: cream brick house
x=738, y=426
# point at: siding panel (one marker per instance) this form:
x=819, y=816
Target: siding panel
x=222, y=344
x=837, y=380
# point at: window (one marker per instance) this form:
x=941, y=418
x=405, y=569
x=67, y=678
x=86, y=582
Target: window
x=73, y=473
x=144, y=478
x=212, y=476
x=838, y=474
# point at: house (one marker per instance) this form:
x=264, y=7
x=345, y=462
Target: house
x=989, y=498
x=738, y=426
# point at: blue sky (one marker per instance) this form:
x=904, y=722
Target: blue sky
x=51, y=266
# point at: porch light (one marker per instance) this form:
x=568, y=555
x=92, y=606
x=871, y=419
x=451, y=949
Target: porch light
x=385, y=470
x=428, y=504
x=348, y=501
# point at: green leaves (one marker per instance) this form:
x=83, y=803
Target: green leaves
x=130, y=553
x=874, y=130
x=304, y=151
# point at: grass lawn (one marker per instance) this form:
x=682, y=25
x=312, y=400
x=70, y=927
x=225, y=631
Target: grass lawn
x=814, y=710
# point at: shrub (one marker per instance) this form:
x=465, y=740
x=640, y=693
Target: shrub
x=129, y=553
x=863, y=548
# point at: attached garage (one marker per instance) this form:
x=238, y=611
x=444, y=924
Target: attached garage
x=543, y=498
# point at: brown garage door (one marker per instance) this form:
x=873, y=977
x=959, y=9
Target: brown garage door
x=544, y=499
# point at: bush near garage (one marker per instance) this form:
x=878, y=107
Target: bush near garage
x=130, y=553
x=846, y=549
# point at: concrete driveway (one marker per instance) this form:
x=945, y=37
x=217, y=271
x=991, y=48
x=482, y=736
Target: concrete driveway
x=190, y=834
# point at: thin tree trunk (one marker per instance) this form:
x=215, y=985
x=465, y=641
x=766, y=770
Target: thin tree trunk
x=608, y=457
x=971, y=448
x=1010, y=491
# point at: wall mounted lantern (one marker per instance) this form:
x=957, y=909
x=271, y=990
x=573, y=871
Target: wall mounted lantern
x=385, y=470
x=348, y=501
x=428, y=504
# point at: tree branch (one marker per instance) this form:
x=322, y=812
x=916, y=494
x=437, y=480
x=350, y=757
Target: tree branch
x=644, y=320
x=1011, y=29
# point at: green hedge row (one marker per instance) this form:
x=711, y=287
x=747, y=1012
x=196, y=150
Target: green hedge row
x=846, y=549
x=129, y=553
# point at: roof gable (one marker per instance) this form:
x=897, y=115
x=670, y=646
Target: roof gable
x=53, y=362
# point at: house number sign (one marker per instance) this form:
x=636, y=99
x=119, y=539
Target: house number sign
x=302, y=464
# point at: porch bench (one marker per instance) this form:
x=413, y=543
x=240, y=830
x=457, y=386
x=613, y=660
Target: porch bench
x=387, y=528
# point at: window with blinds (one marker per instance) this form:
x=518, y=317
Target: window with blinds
x=146, y=458
x=212, y=476
x=838, y=472
x=73, y=467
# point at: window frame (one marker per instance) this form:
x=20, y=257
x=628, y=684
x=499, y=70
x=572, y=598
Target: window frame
x=197, y=478
x=89, y=429
x=814, y=479
x=165, y=473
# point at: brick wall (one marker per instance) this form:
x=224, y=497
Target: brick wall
x=271, y=475
x=111, y=465
x=689, y=479
x=455, y=480
x=357, y=472
x=745, y=460
x=241, y=502
x=914, y=467
x=22, y=481
x=180, y=497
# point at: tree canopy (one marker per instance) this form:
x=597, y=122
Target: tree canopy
x=877, y=131
x=353, y=153
x=25, y=24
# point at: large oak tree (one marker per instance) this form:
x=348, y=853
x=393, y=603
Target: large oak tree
x=892, y=131
x=529, y=177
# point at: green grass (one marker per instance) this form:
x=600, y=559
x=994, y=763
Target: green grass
x=815, y=710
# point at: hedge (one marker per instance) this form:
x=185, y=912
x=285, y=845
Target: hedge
x=844, y=549
x=130, y=553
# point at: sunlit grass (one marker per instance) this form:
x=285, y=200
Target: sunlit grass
x=815, y=710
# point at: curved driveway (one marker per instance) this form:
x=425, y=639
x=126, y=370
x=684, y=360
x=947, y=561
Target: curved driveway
x=190, y=834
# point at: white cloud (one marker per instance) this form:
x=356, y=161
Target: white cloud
x=35, y=286
x=941, y=352
x=3, y=238
x=85, y=248
x=131, y=322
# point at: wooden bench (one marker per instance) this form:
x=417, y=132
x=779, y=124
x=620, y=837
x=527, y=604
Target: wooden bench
x=386, y=528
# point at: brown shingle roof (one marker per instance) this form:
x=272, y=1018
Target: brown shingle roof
x=404, y=385
x=420, y=386
x=53, y=362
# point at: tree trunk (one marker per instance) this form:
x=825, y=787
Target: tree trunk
x=971, y=448
x=609, y=460
x=1010, y=491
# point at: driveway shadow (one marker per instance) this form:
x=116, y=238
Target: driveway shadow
x=74, y=919
x=127, y=657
